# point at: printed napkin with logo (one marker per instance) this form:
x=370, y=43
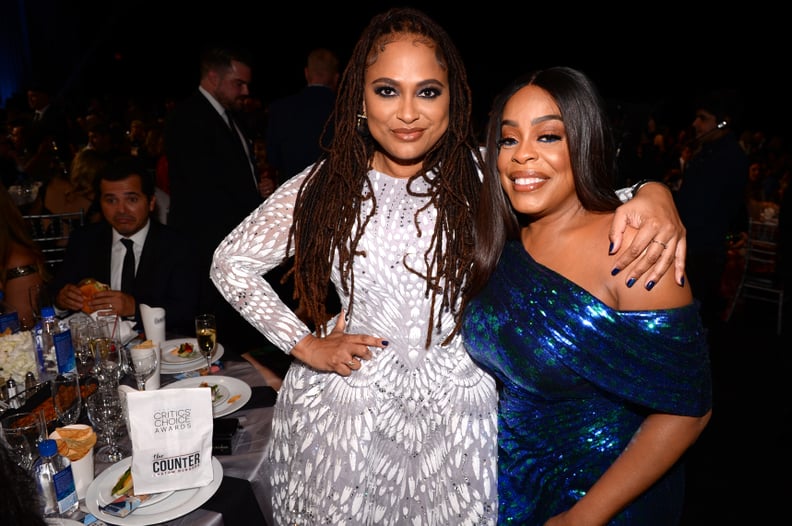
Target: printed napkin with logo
x=171, y=433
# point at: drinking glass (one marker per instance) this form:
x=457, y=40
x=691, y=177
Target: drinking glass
x=142, y=363
x=22, y=432
x=39, y=296
x=83, y=353
x=106, y=413
x=18, y=445
x=108, y=366
x=206, y=334
x=66, y=397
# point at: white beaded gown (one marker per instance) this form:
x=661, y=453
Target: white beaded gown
x=410, y=437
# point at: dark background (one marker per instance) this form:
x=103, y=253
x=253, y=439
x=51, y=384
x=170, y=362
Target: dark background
x=647, y=58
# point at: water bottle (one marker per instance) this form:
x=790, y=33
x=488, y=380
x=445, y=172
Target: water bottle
x=9, y=317
x=45, y=345
x=56, y=345
x=55, y=481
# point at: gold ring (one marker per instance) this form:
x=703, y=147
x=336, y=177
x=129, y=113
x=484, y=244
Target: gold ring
x=660, y=243
x=350, y=363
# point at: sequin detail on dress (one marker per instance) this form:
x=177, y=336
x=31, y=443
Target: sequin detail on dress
x=578, y=379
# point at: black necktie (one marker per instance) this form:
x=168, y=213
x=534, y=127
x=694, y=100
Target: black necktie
x=128, y=273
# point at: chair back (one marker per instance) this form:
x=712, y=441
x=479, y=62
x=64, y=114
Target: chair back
x=51, y=232
x=761, y=278
x=761, y=254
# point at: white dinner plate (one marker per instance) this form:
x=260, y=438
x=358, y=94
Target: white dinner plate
x=105, y=497
x=177, y=504
x=173, y=364
x=233, y=393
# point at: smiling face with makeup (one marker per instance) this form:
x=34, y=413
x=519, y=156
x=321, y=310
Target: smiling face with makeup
x=406, y=103
x=533, y=155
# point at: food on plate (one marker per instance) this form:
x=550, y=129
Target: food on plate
x=148, y=344
x=74, y=442
x=89, y=287
x=184, y=350
x=215, y=390
x=124, y=485
x=234, y=398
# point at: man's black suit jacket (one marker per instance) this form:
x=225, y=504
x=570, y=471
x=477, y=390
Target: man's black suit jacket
x=212, y=188
x=167, y=276
x=294, y=129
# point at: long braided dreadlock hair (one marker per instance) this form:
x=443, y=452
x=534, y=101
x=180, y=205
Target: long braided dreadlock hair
x=328, y=217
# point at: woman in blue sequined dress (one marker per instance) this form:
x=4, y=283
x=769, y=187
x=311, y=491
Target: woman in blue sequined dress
x=602, y=387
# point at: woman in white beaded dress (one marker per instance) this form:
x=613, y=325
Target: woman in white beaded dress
x=383, y=418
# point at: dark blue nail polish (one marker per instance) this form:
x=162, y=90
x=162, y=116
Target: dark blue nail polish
x=683, y=281
x=610, y=249
x=615, y=271
x=385, y=343
x=630, y=282
x=650, y=285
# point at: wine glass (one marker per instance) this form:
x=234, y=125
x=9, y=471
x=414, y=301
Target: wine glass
x=22, y=432
x=18, y=445
x=83, y=353
x=206, y=334
x=142, y=363
x=108, y=367
x=66, y=397
x=106, y=413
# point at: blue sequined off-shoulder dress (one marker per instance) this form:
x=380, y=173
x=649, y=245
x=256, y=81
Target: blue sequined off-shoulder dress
x=577, y=379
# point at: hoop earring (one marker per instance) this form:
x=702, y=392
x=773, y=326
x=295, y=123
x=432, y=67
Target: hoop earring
x=362, y=125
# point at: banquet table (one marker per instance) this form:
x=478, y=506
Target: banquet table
x=243, y=495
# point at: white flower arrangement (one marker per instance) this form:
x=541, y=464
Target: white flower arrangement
x=17, y=356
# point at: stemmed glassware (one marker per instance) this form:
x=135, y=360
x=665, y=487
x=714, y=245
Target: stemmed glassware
x=22, y=432
x=66, y=397
x=106, y=413
x=206, y=334
x=142, y=363
x=81, y=341
x=18, y=445
x=108, y=358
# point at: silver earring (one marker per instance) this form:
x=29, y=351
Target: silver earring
x=362, y=124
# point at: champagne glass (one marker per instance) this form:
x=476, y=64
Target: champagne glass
x=142, y=362
x=106, y=413
x=206, y=334
x=66, y=397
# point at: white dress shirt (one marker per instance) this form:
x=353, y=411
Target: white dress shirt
x=118, y=251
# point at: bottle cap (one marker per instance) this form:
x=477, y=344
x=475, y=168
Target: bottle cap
x=47, y=447
x=47, y=312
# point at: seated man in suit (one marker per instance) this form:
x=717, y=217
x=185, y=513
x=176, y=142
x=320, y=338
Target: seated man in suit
x=167, y=272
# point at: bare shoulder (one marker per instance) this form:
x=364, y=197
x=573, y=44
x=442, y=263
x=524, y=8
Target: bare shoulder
x=665, y=294
x=20, y=256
